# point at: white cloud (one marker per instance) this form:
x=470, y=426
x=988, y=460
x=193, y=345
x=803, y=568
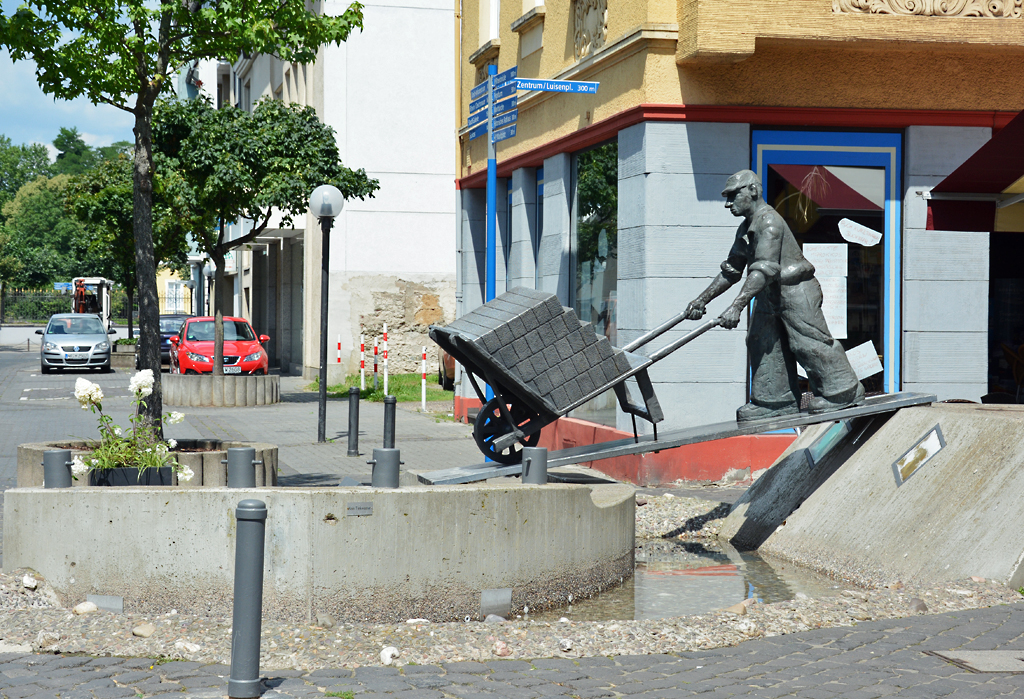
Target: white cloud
x=27, y=115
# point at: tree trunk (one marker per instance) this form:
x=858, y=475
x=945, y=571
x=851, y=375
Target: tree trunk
x=145, y=260
x=218, y=315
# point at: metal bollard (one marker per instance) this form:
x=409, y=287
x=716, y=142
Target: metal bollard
x=353, y=421
x=385, y=464
x=241, y=463
x=389, y=421
x=535, y=465
x=57, y=468
x=247, y=615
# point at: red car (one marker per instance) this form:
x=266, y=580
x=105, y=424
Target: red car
x=192, y=351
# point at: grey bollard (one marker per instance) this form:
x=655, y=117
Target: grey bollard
x=353, y=421
x=389, y=421
x=385, y=468
x=535, y=465
x=241, y=463
x=247, y=615
x=57, y=468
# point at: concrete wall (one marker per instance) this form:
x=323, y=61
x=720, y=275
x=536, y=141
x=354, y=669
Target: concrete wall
x=959, y=515
x=523, y=254
x=555, y=275
x=674, y=232
x=945, y=276
x=422, y=553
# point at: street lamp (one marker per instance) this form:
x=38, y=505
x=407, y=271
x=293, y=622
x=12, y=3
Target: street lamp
x=208, y=271
x=325, y=203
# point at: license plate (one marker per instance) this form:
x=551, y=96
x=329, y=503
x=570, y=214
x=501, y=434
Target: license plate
x=76, y=355
x=232, y=370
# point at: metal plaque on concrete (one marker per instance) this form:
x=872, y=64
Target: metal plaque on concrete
x=827, y=442
x=359, y=509
x=918, y=455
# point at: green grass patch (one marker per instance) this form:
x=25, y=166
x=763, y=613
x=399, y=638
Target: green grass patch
x=404, y=387
x=347, y=694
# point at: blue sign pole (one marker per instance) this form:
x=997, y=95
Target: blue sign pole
x=492, y=198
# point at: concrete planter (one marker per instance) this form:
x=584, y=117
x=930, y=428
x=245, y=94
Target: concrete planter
x=206, y=464
x=125, y=349
x=206, y=390
x=358, y=554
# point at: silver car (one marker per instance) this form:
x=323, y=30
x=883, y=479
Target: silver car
x=75, y=341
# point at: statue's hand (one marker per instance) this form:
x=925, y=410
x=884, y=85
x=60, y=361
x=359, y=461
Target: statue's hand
x=730, y=318
x=695, y=310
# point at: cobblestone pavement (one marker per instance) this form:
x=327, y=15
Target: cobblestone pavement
x=889, y=658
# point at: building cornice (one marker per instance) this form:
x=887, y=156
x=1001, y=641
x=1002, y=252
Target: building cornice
x=530, y=20
x=485, y=53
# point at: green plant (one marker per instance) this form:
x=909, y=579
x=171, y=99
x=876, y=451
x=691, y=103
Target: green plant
x=137, y=446
x=347, y=694
x=127, y=341
x=404, y=387
x=1020, y=591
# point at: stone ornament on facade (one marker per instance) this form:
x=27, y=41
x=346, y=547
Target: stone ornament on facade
x=591, y=26
x=930, y=8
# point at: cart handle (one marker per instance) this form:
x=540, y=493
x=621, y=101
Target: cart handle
x=657, y=332
x=692, y=335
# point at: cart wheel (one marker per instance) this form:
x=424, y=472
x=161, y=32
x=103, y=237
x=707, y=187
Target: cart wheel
x=491, y=424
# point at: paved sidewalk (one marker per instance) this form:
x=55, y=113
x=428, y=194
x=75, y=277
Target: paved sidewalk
x=888, y=658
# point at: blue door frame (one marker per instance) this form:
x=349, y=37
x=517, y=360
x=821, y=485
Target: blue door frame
x=852, y=149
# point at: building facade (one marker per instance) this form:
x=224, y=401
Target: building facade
x=849, y=112
x=388, y=93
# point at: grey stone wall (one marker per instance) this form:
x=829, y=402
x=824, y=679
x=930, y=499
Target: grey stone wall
x=674, y=232
x=554, y=275
x=522, y=256
x=945, y=276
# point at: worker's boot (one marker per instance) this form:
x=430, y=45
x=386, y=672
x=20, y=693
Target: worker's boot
x=753, y=411
x=846, y=399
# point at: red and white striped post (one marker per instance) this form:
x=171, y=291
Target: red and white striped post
x=362, y=363
x=386, y=360
x=374, y=364
x=423, y=385
x=339, y=349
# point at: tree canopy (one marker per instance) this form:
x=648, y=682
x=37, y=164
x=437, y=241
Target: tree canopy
x=123, y=52
x=19, y=165
x=231, y=164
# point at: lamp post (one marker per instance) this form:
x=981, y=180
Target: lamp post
x=325, y=203
x=208, y=272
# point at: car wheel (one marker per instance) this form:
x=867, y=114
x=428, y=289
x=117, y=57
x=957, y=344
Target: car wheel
x=106, y=369
x=43, y=369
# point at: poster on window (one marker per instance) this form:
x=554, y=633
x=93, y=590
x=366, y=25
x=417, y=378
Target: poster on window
x=833, y=305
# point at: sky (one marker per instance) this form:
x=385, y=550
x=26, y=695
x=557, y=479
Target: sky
x=29, y=116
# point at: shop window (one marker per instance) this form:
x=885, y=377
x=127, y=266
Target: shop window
x=839, y=194
x=1006, y=318
x=595, y=255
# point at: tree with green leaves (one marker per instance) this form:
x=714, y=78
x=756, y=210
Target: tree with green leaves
x=237, y=165
x=74, y=156
x=50, y=244
x=101, y=198
x=124, y=52
x=10, y=265
x=19, y=165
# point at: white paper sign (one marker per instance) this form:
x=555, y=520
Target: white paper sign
x=833, y=304
x=864, y=360
x=829, y=259
x=856, y=233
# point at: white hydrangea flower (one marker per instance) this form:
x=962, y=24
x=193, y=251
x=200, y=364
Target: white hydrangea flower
x=117, y=431
x=95, y=462
x=142, y=383
x=174, y=418
x=172, y=443
x=87, y=392
x=186, y=473
x=78, y=467
x=149, y=450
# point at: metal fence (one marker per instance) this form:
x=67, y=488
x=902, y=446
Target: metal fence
x=35, y=306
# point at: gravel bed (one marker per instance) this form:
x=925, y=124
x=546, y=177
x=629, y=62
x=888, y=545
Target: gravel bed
x=29, y=620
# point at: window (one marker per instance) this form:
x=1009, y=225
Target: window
x=174, y=302
x=595, y=255
x=839, y=193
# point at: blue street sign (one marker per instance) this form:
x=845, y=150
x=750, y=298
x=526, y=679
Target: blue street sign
x=478, y=131
x=570, y=86
x=478, y=104
x=502, y=134
x=505, y=119
x=478, y=91
x=62, y=286
x=502, y=78
x=475, y=119
x=506, y=90
x=501, y=107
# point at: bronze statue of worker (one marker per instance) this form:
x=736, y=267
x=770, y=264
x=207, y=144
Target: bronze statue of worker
x=787, y=325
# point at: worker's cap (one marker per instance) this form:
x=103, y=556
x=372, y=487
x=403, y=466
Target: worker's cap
x=740, y=180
